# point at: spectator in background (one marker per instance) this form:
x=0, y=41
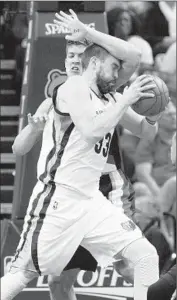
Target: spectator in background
x=156, y=172
x=20, y=31
x=166, y=63
x=2, y=54
x=155, y=27
x=166, y=66
x=153, y=163
x=155, y=193
x=20, y=27
x=7, y=37
x=169, y=11
x=124, y=23
x=19, y=60
x=166, y=199
x=165, y=287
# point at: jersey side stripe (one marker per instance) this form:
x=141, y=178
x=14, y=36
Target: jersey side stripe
x=50, y=155
x=37, y=199
x=54, y=98
x=61, y=151
x=29, y=223
x=47, y=200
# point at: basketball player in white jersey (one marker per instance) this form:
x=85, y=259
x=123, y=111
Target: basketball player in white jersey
x=66, y=210
x=113, y=184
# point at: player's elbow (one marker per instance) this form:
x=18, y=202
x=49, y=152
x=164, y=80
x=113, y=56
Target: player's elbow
x=137, y=59
x=135, y=56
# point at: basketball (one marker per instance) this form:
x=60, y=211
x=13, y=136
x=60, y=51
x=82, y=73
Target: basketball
x=153, y=106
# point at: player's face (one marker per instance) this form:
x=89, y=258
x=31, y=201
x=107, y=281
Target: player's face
x=107, y=75
x=73, y=64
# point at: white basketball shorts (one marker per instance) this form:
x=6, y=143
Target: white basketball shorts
x=58, y=220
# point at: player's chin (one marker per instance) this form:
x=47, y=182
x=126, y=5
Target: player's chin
x=75, y=72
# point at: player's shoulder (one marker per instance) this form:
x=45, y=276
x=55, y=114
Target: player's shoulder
x=45, y=106
x=73, y=84
x=75, y=81
x=47, y=102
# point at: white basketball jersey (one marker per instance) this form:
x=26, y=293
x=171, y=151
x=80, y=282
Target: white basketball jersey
x=66, y=158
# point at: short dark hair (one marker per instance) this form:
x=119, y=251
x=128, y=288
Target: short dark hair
x=93, y=50
x=76, y=43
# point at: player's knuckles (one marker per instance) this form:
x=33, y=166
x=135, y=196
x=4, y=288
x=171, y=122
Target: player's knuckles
x=147, y=87
x=143, y=77
x=38, y=120
x=45, y=117
x=147, y=80
x=33, y=119
x=41, y=119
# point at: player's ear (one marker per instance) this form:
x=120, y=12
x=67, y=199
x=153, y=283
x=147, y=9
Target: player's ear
x=95, y=62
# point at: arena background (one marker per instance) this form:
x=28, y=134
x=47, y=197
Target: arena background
x=43, y=70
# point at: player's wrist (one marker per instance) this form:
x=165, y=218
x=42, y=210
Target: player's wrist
x=125, y=100
x=94, y=36
x=35, y=128
x=89, y=33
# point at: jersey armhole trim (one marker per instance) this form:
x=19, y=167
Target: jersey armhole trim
x=113, y=98
x=54, y=102
x=60, y=113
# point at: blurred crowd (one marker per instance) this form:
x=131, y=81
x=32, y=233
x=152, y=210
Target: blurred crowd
x=150, y=26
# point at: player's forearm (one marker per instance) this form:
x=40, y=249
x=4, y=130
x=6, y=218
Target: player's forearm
x=105, y=121
x=115, y=46
x=25, y=140
x=139, y=125
x=148, y=131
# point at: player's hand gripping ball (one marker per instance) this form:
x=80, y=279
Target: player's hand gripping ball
x=153, y=106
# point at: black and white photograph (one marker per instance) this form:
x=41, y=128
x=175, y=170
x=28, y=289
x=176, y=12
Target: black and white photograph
x=88, y=150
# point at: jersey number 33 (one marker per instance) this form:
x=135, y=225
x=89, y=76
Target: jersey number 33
x=103, y=145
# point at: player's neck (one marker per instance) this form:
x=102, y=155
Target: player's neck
x=92, y=83
x=96, y=90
